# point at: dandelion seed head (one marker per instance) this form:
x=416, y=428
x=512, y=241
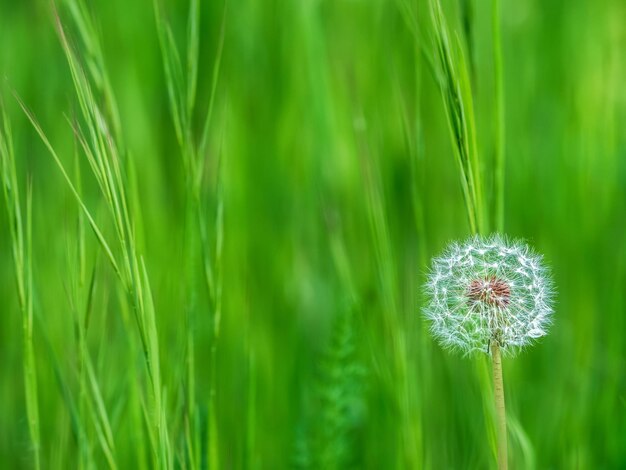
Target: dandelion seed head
x=488, y=289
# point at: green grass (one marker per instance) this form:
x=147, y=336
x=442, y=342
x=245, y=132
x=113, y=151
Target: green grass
x=219, y=217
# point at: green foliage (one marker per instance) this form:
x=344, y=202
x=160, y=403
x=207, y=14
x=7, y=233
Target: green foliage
x=218, y=252
x=336, y=410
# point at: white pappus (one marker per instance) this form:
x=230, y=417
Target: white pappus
x=488, y=289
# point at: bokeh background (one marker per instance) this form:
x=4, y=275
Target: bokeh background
x=338, y=184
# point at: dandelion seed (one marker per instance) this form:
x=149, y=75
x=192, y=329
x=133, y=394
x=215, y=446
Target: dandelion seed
x=504, y=294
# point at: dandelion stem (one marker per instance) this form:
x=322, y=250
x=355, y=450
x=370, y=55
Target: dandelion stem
x=498, y=389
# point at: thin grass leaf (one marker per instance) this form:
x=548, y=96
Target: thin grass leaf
x=193, y=41
x=57, y=160
x=213, y=444
x=101, y=419
x=154, y=369
x=410, y=14
x=173, y=74
x=202, y=147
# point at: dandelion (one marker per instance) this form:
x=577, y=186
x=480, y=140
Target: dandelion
x=488, y=290
x=493, y=296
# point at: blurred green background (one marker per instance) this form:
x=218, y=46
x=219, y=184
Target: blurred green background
x=330, y=153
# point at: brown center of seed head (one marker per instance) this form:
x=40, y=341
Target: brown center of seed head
x=491, y=291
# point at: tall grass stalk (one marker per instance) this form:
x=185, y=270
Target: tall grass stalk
x=498, y=217
x=181, y=85
x=453, y=78
x=456, y=90
x=394, y=324
x=90, y=405
x=100, y=148
x=21, y=238
x=414, y=143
